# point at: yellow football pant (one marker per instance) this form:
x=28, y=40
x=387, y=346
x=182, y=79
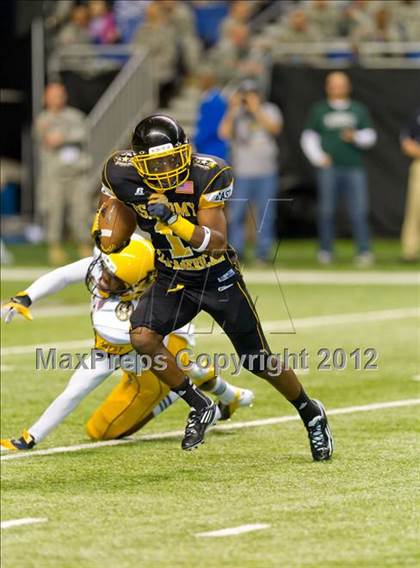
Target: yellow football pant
x=129, y=405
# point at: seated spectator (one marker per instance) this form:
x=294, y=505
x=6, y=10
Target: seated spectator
x=407, y=16
x=324, y=15
x=240, y=11
x=158, y=36
x=210, y=113
x=209, y=15
x=102, y=27
x=298, y=29
x=129, y=15
x=57, y=13
x=383, y=29
x=233, y=57
x=356, y=21
x=74, y=46
x=182, y=19
x=75, y=32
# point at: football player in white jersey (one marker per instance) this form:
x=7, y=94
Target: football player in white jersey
x=116, y=282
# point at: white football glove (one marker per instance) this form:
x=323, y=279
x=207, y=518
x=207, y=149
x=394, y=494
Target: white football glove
x=19, y=304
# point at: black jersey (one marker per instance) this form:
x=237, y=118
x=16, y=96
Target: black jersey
x=209, y=184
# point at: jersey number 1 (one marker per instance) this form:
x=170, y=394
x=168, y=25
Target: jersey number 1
x=178, y=250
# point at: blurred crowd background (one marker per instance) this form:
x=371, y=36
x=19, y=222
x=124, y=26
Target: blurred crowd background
x=316, y=103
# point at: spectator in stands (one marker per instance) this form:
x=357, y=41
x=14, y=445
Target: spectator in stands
x=71, y=37
x=298, y=29
x=324, y=15
x=410, y=236
x=356, y=21
x=210, y=113
x=337, y=132
x=57, y=13
x=61, y=132
x=240, y=11
x=102, y=27
x=251, y=126
x=75, y=32
x=383, y=28
x=129, y=16
x=209, y=15
x=407, y=16
x=182, y=19
x=158, y=36
x=233, y=57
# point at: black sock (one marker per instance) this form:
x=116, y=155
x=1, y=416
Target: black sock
x=192, y=395
x=306, y=407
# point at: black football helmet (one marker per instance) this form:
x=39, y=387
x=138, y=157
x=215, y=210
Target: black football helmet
x=163, y=152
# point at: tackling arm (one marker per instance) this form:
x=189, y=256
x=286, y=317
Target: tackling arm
x=46, y=285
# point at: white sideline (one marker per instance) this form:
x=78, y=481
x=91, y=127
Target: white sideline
x=276, y=326
x=273, y=276
x=234, y=530
x=221, y=428
x=19, y=522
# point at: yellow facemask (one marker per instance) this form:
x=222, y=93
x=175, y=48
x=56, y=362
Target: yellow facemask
x=165, y=169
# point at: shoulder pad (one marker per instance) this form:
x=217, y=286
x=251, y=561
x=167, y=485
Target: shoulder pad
x=204, y=162
x=122, y=158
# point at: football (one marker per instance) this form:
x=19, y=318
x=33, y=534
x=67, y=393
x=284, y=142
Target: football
x=116, y=222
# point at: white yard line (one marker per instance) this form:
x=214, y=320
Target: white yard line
x=232, y=531
x=276, y=326
x=222, y=427
x=323, y=277
x=19, y=522
x=271, y=276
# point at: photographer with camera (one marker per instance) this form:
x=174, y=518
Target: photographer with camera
x=251, y=125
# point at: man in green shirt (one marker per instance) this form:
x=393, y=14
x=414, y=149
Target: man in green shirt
x=337, y=133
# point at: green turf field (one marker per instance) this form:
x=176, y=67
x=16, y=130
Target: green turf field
x=142, y=504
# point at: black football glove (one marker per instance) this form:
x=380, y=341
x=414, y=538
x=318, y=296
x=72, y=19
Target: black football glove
x=158, y=207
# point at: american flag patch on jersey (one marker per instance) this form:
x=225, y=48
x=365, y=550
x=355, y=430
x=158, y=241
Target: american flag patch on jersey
x=187, y=187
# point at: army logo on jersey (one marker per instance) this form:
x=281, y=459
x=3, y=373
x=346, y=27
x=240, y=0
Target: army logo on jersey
x=205, y=163
x=124, y=310
x=123, y=158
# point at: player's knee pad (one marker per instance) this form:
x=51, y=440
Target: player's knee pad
x=126, y=406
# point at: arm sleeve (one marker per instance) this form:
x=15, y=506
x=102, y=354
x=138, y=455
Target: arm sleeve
x=107, y=188
x=58, y=279
x=274, y=113
x=310, y=142
x=218, y=189
x=365, y=138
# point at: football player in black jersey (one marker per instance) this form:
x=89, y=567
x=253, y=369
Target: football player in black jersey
x=178, y=197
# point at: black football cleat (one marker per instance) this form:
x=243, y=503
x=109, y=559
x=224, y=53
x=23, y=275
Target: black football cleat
x=25, y=442
x=197, y=424
x=320, y=436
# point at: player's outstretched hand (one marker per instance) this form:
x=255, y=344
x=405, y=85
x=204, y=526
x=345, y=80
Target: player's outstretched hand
x=158, y=206
x=19, y=304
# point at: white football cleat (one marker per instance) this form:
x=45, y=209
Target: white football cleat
x=243, y=397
